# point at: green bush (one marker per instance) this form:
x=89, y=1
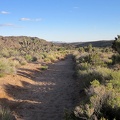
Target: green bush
x=99, y=98
x=6, y=67
x=116, y=44
x=83, y=66
x=104, y=97
x=116, y=59
x=5, y=113
x=28, y=58
x=34, y=59
x=5, y=53
x=93, y=59
x=81, y=50
x=100, y=73
x=21, y=60
x=44, y=67
x=14, y=53
x=101, y=85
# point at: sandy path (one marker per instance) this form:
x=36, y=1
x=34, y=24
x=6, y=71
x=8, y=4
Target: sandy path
x=47, y=95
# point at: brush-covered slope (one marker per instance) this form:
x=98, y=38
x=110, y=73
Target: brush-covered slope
x=102, y=43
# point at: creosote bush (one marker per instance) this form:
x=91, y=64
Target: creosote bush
x=44, y=67
x=6, y=67
x=101, y=85
x=5, y=113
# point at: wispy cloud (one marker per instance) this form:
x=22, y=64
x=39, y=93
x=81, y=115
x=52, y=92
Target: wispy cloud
x=28, y=19
x=37, y=19
x=76, y=7
x=4, y=12
x=25, y=19
x=10, y=25
x=7, y=24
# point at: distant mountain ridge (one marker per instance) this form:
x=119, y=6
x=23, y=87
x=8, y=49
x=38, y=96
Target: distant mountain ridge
x=14, y=41
x=100, y=43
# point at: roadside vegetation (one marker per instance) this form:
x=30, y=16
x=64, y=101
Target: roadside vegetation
x=97, y=72
x=19, y=51
x=5, y=113
x=98, y=79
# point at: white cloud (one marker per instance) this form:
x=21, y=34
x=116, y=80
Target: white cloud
x=10, y=25
x=7, y=24
x=25, y=19
x=4, y=12
x=28, y=19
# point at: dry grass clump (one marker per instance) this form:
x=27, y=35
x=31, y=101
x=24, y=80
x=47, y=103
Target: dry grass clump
x=5, y=113
x=54, y=56
x=44, y=67
x=6, y=67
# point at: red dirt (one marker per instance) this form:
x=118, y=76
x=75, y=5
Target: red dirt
x=33, y=94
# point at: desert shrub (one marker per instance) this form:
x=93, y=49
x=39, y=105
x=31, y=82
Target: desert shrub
x=13, y=52
x=114, y=86
x=116, y=59
x=93, y=59
x=108, y=62
x=5, y=113
x=98, y=103
x=44, y=55
x=61, y=49
x=6, y=67
x=107, y=50
x=81, y=50
x=111, y=107
x=84, y=112
x=105, y=74
x=9, y=53
x=100, y=73
x=76, y=53
x=5, y=53
x=116, y=44
x=83, y=66
x=34, y=59
x=103, y=97
x=88, y=76
x=84, y=58
x=48, y=57
x=28, y=58
x=47, y=60
x=16, y=63
x=68, y=115
x=90, y=48
x=52, y=57
x=44, y=67
x=101, y=85
x=20, y=59
x=41, y=56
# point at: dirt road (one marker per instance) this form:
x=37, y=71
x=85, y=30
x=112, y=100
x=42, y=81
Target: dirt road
x=43, y=95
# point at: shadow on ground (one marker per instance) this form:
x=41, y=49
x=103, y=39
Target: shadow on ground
x=47, y=97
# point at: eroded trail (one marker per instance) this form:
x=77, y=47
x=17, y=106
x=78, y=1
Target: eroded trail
x=48, y=94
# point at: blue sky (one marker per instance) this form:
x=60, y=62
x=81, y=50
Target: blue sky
x=61, y=20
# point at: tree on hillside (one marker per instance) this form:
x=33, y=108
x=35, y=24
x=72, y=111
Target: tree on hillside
x=116, y=44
